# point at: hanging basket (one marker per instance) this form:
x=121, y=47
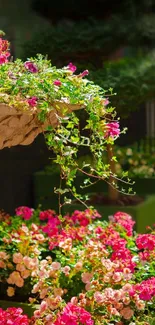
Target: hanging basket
x=19, y=127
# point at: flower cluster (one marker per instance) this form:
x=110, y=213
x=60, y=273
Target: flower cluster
x=4, y=51
x=79, y=268
x=125, y=221
x=145, y=289
x=74, y=315
x=113, y=129
x=12, y=316
x=146, y=246
x=21, y=247
x=25, y=212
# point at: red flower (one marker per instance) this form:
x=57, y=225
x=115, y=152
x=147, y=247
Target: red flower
x=57, y=83
x=113, y=129
x=73, y=315
x=12, y=316
x=71, y=67
x=32, y=101
x=25, y=212
x=47, y=214
x=31, y=66
x=125, y=221
x=4, y=48
x=84, y=73
x=3, y=59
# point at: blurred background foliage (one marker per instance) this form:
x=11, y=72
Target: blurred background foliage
x=114, y=41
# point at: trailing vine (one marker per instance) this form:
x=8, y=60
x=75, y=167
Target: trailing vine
x=38, y=87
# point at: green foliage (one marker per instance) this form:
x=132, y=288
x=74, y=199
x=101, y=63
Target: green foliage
x=136, y=160
x=91, y=42
x=133, y=79
x=80, y=42
x=32, y=86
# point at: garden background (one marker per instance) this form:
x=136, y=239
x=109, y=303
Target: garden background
x=116, y=43
x=77, y=167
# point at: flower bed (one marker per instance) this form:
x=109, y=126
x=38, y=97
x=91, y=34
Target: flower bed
x=80, y=269
x=13, y=316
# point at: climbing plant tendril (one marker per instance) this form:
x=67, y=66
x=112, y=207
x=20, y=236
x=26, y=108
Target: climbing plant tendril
x=53, y=96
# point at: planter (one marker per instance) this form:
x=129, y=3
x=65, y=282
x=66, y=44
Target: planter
x=143, y=213
x=21, y=127
x=27, y=308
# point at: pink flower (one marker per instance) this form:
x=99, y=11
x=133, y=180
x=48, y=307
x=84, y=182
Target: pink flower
x=66, y=270
x=127, y=312
x=86, y=277
x=146, y=241
x=78, y=266
x=127, y=287
x=125, y=221
x=117, y=277
x=74, y=315
x=140, y=305
x=25, y=212
x=17, y=258
x=84, y=217
x=98, y=296
x=109, y=293
x=32, y=101
x=106, y=102
x=71, y=67
x=37, y=313
x=145, y=294
x=13, y=316
x=84, y=73
x=3, y=59
x=49, y=214
x=40, y=238
x=57, y=83
x=145, y=289
x=74, y=300
x=4, y=46
x=43, y=306
x=4, y=54
x=88, y=286
x=55, y=266
x=113, y=129
x=30, y=263
x=31, y=66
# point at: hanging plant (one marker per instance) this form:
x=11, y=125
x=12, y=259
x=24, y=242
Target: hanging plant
x=37, y=97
